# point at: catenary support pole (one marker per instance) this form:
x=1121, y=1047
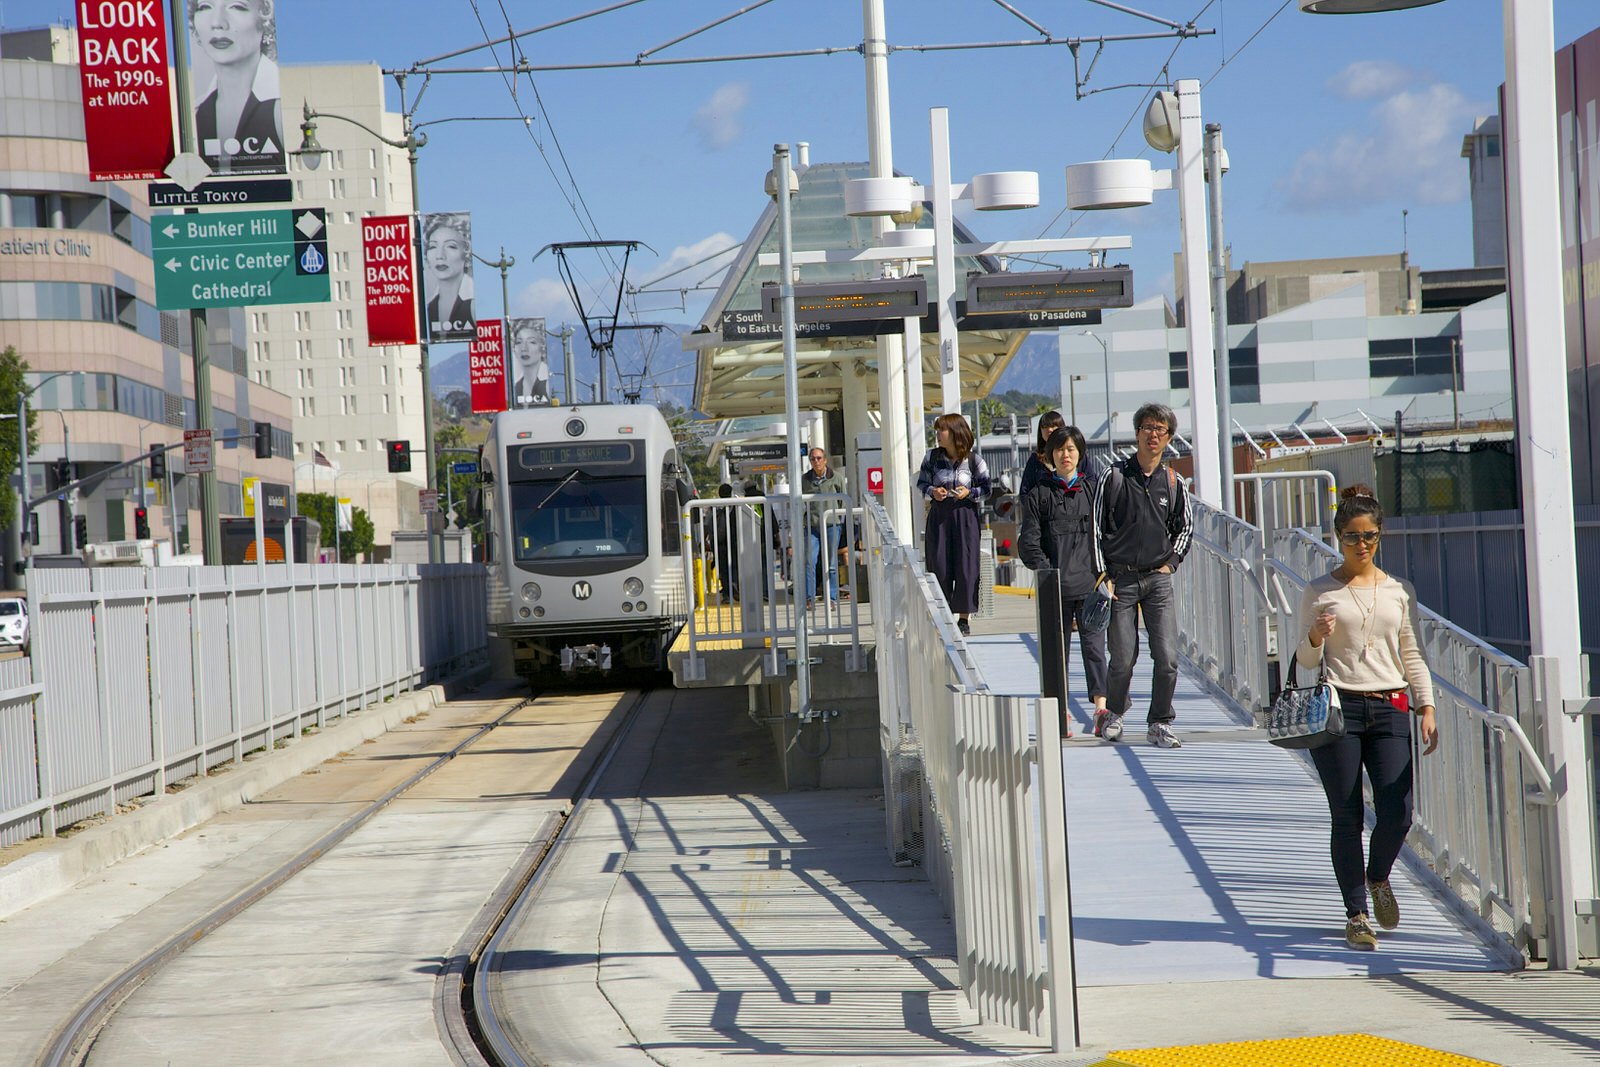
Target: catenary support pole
x=1219, y=316
x=1197, y=294
x=799, y=522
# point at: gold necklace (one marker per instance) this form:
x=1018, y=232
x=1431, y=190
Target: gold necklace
x=1369, y=616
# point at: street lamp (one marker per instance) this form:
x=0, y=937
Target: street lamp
x=1105, y=361
x=1539, y=347
x=503, y=264
x=24, y=505
x=1172, y=123
x=311, y=153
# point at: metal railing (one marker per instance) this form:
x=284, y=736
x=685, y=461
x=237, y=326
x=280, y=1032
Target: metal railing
x=973, y=791
x=1286, y=500
x=1480, y=799
x=140, y=677
x=1223, y=610
x=748, y=549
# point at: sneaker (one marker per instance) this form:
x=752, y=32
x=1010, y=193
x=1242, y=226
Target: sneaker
x=1384, y=907
x=1108, y=725
x=1161, y=736
x=966, y=630
x=1358, y=933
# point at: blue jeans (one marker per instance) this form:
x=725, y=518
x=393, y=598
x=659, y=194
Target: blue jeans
x=1150, y=592
x=1376, y=737
x=830, y=564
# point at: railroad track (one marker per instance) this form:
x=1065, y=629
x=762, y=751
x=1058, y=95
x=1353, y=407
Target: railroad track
x=464, y=1004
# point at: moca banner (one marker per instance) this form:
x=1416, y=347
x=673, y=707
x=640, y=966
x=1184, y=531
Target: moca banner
x=390, y=279
x=447, y=264
x=530, y=363
x=127, y=101
x=486, y=360
x=233, y=61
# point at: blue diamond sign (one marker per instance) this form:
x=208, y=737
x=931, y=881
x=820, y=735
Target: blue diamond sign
x=241, y=258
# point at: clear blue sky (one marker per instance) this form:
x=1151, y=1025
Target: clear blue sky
x=1333, y=124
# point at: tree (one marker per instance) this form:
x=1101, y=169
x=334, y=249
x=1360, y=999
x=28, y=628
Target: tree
x=13, y=385
x=356, y=540
x=693, y=452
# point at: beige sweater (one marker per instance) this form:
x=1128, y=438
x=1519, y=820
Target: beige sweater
x=1372, y=649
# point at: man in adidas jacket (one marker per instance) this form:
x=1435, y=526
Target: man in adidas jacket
x=1142, y=518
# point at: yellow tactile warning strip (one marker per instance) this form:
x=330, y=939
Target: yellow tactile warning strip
x=709, y=621
x=1337, y=1050
x=1013, y=590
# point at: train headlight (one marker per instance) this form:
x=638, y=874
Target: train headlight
x=531, y=591
x=538, y=611
x=640, y=606
x=575, y=427
x=632, y=587
x=523, y=613
x=626, y=606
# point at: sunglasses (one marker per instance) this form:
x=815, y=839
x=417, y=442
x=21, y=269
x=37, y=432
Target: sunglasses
x=1369, y=537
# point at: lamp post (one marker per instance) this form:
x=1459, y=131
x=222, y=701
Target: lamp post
x=781, y=186
x=311, y=151
x=503, y=264
x=1543, y=428
x=1072, y=387
x=1216, y=166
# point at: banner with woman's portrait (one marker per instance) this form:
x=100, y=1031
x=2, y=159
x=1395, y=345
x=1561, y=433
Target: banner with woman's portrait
x=447, y=274
x=530, y=363
x=233, y=65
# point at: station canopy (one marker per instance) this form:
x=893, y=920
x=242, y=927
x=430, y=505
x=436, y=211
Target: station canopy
x=739, y=369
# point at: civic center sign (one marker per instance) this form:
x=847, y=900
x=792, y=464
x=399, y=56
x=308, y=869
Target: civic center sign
x=241, y=258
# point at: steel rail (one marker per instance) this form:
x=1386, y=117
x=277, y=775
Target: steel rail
x=493, y=1040
x=70, y=1044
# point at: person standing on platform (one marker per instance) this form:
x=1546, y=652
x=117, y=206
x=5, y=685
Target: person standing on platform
x=821, y=478
x=1143, y=525
x=725, y=543
x=954, y=479
x=1361, y=627
x=1058, y=532
x=1038, y=465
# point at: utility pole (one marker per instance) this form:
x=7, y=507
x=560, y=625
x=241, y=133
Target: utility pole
x=210, y=527
x=504, y=264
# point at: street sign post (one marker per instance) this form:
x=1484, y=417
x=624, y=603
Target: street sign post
x=241, y=258
x=197, y=451
x=428, y=500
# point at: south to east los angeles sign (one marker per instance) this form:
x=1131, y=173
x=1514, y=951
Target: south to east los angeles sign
x=127, y=101
x=241, y=258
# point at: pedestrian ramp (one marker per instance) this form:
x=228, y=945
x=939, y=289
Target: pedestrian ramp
x=1210, y=863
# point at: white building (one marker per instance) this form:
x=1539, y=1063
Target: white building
x=1481, y=149
x=349, y=399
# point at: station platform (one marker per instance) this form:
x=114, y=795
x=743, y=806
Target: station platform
x=689, y=927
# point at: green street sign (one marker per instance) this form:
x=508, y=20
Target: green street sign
x=241, y=258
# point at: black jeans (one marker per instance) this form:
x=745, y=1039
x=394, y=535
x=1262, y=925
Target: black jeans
x=1377, y=737
x=1091, y=646
x=1149, y=592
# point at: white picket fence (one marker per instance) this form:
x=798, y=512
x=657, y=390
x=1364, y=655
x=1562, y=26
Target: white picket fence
x=142, y=677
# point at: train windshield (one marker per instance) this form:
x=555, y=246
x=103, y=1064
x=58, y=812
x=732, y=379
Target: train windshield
x=577, y=516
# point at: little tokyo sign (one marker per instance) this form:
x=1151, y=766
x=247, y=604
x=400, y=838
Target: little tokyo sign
x=241, y=258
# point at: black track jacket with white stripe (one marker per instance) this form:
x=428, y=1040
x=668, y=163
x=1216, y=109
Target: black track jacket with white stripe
x=1143, y=522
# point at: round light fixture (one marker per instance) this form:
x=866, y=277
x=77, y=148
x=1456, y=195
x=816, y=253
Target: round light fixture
x=1109, y=183
x=632, y=587
x=1005, y=190
x=879, y=196
x=531, y=591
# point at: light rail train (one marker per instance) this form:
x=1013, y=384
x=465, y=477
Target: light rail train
x=581, y=507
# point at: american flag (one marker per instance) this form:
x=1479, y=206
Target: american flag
x=322, y=461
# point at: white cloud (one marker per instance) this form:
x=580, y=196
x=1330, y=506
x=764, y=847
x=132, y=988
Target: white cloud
x=683, y=266
x=1370, y=79
x=545, y=297
x=1409, y=153
x=717, y=121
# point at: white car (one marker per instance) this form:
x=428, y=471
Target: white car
x=14, y=622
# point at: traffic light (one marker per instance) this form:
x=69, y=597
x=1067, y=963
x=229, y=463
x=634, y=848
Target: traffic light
x=80, y=530
x=263, y=440
x=141, y=523
x=399, y=457
x=158, y=464
x=63, y=471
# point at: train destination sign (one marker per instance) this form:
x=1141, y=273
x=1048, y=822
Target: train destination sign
x=885, y=298
x=753, y=327
x=241, y=258
x=1049, y=290
x=575, y=455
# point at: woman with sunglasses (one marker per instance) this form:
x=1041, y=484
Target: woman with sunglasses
x=1361, y=626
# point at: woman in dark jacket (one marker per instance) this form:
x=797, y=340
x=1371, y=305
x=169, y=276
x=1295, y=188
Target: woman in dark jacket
x=1038, y=465
x=1058, y=531
x=953, y=479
